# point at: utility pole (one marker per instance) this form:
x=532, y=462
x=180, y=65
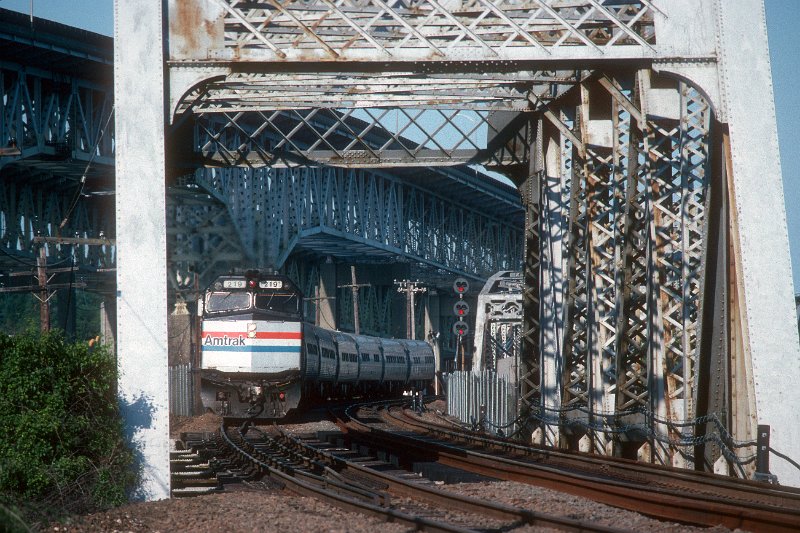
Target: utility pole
x=316, y=299
x=41, y=268
x=410, y=288
x=354, y=288
x=44, y=290
x=44, y=297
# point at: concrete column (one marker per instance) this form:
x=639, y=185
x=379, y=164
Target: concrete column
x=141, y=239
x=327, y=295
x=180, y=335
x=764, y=264
x=433, y=331
x=108, y=323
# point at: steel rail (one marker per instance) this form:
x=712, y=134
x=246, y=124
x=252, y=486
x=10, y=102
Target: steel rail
x=604, y=487
x=453, y=501
x=736, y=490
x=323, y=493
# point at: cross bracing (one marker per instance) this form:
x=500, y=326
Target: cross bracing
x=621, y=245
x=363, y=137
x=33, y=206
x=263, y=95
x=57, y=126
x=424, y=30
x=498, y=321
x=56, y=116
x=359, y=215
x=51, y=116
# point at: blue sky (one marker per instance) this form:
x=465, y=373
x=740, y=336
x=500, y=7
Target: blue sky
x=783, y=19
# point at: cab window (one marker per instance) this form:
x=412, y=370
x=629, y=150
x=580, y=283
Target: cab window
x=227, y=301
x=278, y=302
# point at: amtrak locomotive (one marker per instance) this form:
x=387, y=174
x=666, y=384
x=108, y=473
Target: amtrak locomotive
x=260, y=360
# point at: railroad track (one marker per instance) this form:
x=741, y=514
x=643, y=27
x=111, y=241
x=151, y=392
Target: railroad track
x=402, y=487
x=344, y=478
x=677, y=495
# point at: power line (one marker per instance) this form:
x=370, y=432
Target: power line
x=78, y=193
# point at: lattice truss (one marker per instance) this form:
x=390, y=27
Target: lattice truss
x=375, y=310
x=365, y=137
x=335, y=30
x=305, y=275
x=428, y=81
x=59, y=124
x=48, y=114
x=498, y=320
x=202, y=240
x=51, y=125
x=274, y=209
x=624, y=191
x=33, y=207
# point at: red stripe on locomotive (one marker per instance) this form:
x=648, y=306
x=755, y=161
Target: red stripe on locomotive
x=258, y=335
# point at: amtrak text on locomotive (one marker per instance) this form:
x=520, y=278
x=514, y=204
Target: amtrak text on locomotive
x=224, y=341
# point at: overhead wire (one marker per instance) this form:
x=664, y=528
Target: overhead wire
x=17, y=259
x=78, y=193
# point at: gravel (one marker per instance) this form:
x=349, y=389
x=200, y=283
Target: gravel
x=272, y=510
x=244, y=510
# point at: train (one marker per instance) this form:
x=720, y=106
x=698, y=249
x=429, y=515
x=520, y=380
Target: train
x=260, y=360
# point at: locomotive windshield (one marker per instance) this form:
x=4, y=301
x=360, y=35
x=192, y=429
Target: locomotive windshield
x=265, y=296
x=228, y=301
x=278, y=302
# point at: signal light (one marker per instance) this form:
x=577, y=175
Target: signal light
x=461, y=308
x=282, y=396
x=460, y=286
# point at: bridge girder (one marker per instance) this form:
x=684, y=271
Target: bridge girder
x=349, y=213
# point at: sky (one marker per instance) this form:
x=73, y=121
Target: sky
x=783, y=21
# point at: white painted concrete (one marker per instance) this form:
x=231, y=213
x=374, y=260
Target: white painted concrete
x=746, y=81
x=141, y=239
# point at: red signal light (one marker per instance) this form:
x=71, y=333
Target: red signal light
x=460, y=328
x=282, y=396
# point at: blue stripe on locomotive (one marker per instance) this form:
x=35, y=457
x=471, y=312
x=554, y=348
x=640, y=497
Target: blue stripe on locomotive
x=286, y=349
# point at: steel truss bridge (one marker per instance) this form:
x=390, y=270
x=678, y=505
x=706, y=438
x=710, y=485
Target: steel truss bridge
x=57, y=194
x=658, y=318
x=55, y=105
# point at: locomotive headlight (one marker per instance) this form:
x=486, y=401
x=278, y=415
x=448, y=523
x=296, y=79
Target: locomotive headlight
x=256, y=391
x=282, y=396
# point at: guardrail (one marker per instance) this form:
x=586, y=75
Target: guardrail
x=181, y=390
x=482, y=400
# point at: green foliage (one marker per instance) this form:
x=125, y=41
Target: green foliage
x=87, y=313
x=11, y=521
x=62, y=442
x=18, y=312
x=77, y=312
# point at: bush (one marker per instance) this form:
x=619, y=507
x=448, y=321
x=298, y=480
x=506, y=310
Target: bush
x=62, y=446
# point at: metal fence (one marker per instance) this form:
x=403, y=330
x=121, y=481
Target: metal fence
x=181, y=390
x=483, y=400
